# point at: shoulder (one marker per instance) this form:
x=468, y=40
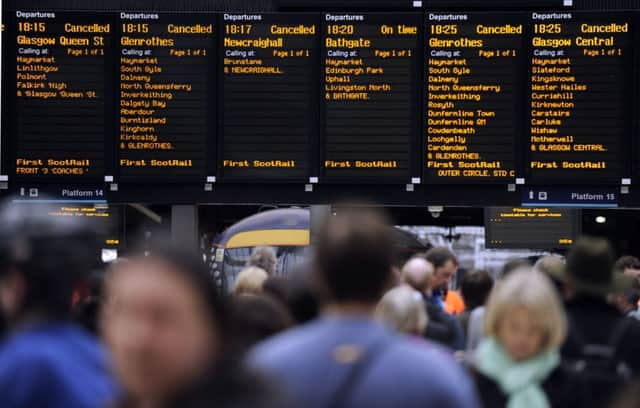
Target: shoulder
x=279, y=349
x=633, y=325
x=477, y=313
x=427, y=366
x=24, y=350
x=423, y=358
x=416, y=353
x=51, y=355
x=26, y=368
x=563, y=388
x=489, y=391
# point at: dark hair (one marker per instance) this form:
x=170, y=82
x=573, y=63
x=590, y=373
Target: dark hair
x=475, y=288
x=513, y=265
x=193, y=270
x=590, y=260
x=51, y=253
x=278, y=287
x=354, y=255
x=87, y=311
x=633, y=297
x=626, y=262
x=3, y=326
x=439, y=256
x=295, y=294
x=255, y=318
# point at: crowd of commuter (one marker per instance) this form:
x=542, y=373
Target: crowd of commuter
x=346, y=330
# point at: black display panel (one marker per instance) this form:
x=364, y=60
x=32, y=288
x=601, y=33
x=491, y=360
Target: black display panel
x=580, y=97
x=166, y=96
x=58, y=97
x=530, y=228
x=106, y=221
x=474, y=96
x=269, y=96
x=371, y=70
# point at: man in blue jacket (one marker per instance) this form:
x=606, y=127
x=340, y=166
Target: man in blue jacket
x=345, y=358
x=45, y=359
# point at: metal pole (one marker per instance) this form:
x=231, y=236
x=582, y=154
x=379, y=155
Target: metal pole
x=318, y=215
x=184, y=226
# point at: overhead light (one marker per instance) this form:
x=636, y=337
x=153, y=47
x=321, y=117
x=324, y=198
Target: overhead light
x=109, y=255
x=601, y=219
x=436, y=210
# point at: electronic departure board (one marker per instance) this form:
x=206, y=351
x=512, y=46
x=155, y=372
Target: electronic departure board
x=421, y=100
x=530, y=228
x=166, y=96
x=106, y=221
x=269, y=95
x=371, y=68
x=60, y=101
x=474, y=96
x=580, y=103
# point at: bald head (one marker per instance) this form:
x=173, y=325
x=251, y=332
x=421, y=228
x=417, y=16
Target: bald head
x=418, y=273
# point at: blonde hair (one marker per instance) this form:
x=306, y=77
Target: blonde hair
x=533, y=291
x=404, y=309
x=250, y=281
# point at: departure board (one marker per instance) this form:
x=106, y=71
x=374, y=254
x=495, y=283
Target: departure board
x=105, y=221
x=474, y=96
x=530, y=228
x=166, y=96
x=580, y=99
x=371, y=70
x=58, y=97
x=270, y=91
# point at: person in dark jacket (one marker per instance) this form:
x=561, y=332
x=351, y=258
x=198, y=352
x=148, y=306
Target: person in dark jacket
x=475, y=289
x=442, y=327
x=518, y=365
x=590, y=278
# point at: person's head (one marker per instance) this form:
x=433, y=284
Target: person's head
x=403, y=309
x=265, y=258
x=353, y=258
x=553, y=267
x=514, y=265
x=525, y=315
x=630, y=266
x=250, y=281
x=445, y=266
x=475, y=288
x=43, y=257
x=589, y=269
x=418, y=273
x=255, y=318
x=302, y=299
x=163, y=322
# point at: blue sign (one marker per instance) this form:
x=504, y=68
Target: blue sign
x=61, y=193
x=581, y=197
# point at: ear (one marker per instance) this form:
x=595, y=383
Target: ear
x=13, y=288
